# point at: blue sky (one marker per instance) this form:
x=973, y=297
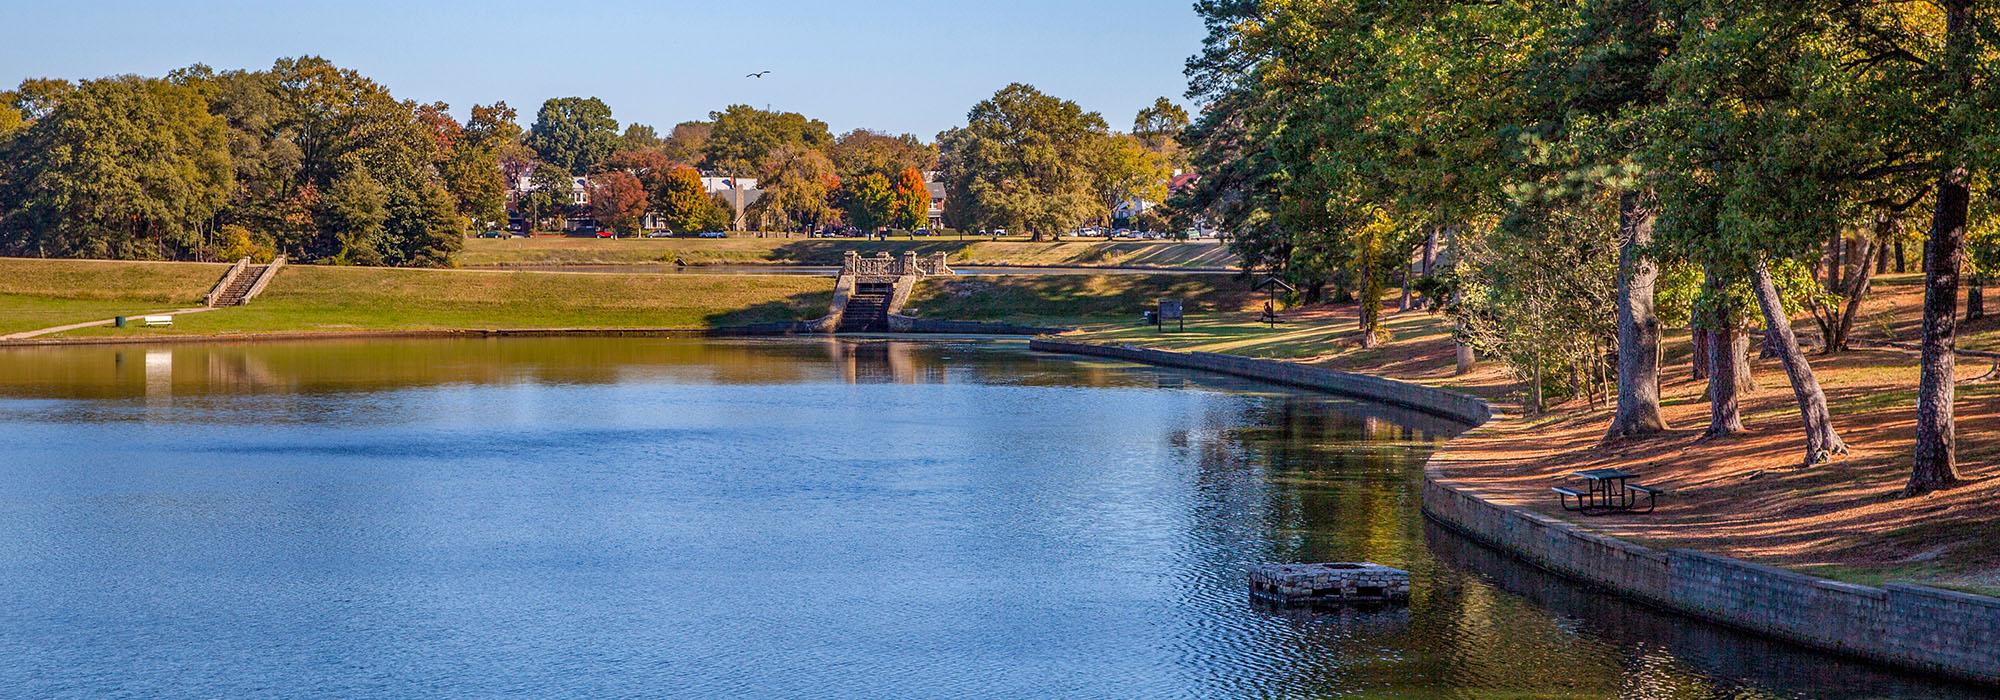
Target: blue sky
x=896, y=65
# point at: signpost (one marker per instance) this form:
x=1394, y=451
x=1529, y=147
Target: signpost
x=1170, y=310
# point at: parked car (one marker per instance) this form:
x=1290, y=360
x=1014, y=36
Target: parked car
x=491, y=234
x=659, y=234
x=712, y=234
x=607, y=233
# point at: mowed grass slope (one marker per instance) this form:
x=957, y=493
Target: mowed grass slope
x=480, y=252
x=307, y=298
x=38, y=293
x=1075, y=299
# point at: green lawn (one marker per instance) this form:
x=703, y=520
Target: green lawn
x=308, y=298
x=324, y=299
x=1073, y=299
x=38, y=293
x=742, y=249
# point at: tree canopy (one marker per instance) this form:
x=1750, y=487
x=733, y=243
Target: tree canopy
x=576, y=133
x=1023, y=162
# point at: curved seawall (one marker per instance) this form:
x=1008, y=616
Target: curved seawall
x=1909, y=626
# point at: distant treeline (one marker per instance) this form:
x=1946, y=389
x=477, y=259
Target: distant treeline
x=322, y=164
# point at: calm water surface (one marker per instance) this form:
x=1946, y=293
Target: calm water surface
x=678, y=518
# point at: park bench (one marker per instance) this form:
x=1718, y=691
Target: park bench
x=1652, y=496
x=150, y=321
x=1607, y=491
x=1565, y=493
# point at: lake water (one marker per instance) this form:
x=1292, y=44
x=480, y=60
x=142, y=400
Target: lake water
x=761, y=519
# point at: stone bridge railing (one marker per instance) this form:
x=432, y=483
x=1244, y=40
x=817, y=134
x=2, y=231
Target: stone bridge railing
x=884, y=267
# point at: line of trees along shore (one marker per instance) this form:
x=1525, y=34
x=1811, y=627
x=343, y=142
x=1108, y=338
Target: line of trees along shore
x=322, y=164
x=1574, y=176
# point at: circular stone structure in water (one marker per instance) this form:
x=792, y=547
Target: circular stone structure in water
x=761, y=519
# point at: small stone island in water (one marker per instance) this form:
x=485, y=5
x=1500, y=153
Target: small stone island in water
x=1329, y=584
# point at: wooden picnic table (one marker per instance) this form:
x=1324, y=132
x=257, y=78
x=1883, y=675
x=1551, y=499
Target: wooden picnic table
x=1607, y=491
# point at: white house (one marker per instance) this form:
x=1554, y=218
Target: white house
x=524, y=182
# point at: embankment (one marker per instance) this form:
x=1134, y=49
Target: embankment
x=356, y=301
x=1913, y=627
x=750, y=250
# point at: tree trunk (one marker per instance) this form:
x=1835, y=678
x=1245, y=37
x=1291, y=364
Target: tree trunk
x=1822, y=443
x=1403, y=306
x=1975, y=298
x=1842, y=328
x=1430, y=253
x=1699, y=340
x=1638, y=410
x=1370, y=298
x=1728, y=361
x=1535, y=389
x=1902, y=264
x=1936, y=458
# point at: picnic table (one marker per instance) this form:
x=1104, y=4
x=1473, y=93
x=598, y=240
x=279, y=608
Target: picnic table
x=1607, y=491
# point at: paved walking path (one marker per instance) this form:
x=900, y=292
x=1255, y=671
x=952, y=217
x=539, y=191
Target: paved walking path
x=24, y=335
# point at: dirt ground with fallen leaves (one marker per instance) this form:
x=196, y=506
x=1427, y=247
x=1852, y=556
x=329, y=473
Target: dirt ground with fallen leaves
x=1747, y=496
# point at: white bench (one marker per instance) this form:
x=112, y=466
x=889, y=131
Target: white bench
x=150, y=321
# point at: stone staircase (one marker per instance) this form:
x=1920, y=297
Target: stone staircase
x=242, y=283
x=238, y=290
x=867, y=311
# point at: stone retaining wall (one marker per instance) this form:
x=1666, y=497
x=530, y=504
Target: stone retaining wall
x=1439, y=402
x=1914, y=627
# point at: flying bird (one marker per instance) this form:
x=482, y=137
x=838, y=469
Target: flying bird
x=758, y=74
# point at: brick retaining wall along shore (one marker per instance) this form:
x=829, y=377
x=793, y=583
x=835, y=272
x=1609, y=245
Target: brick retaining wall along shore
x=1913, y=627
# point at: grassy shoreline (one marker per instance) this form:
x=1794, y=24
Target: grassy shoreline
x=38, y=294
x=750, y=250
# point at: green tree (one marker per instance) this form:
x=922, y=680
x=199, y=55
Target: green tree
x=1124, y=169
x=1023, y=162
x=869, y=202
x=681, y=199
x=688, y=142
x=354, y=214
x=1159, y=128
x=743, y=139
x=577, y=133
x=861, y=152
x=37, y=98
x=122, y=167
x=474, y=178
x=797, y=184
x=11, y=121
x=640, y=137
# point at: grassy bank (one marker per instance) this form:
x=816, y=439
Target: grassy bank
x=480, y=252
x=1115, y=300
x=306, y=298
x=325, y=299
x=42, y=293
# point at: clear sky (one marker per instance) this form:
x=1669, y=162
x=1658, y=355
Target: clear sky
x=896, y=65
